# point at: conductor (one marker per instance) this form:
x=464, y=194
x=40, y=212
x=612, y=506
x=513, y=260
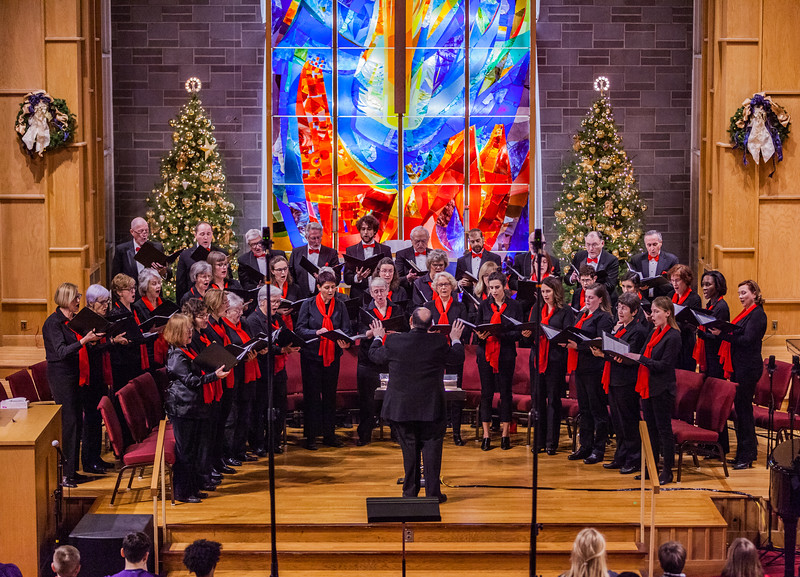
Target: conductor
x=414, y=403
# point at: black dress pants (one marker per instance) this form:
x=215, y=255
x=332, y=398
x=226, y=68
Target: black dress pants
x=186, y=478
x=319, y=398
x=221, y=450
x=551, y=389
x=624, y=403
x=92, y=423
x=592, y=411
x=658, y=415
x=260, y=423
x=491, y=382
x=239, y=417
x=69, y=395
x=746, y=441
x=421, y=439
x=455, y=407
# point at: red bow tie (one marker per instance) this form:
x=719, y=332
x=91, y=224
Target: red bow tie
x=592, y=260
x=370, y=245
x=137, y=248
x=416, y=254
x=313, y=251
x=476, y=254
x=655, y=258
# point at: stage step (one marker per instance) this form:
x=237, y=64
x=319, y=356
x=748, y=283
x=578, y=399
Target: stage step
x=410, y=572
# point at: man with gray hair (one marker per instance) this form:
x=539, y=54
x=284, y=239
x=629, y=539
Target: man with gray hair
x=124, y=261
x=416, y=253
x=653, y=262
x=254, y=265
x=599, y=259
x=317, y=254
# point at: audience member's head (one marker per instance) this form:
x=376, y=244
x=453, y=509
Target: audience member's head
x=136, y=549
x=742, y=560
x=66, y=561
x=672, y=558
x=588, y=557
x=201, y=557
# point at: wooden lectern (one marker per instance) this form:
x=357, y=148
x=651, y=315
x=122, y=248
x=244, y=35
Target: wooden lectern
x=28, y=469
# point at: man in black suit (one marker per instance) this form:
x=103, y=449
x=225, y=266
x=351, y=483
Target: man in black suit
x=414, y=403
x=203, y=236
x=474, y=258
x=523, y=264
x=653, y=262
x=416, y=253
x=598, y=259
x=125, y=252
x=358, y=278
x=256, y=259
x=317, y=254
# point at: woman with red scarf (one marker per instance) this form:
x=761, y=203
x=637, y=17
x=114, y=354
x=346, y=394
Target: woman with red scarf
x=592, y=402
x=619, y=382
x=706, y=349
x=387, y=270
x=480, y=291
x=200, y=277
x=367, y=372
x=682, y=277
x=742, y=363
x=551, y=362
x=150, y=291
x=126, y=360
x=496, y=357
x=220, y=278
x=247, y=377
x=68, y=374
x=445, y=309
x=319, y=360
x=185, y=406
x=630, y=284
x=282, y=278
x=655, y=382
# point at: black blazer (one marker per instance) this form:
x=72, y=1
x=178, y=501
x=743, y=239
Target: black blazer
x=556, y=354
x=357, y=289
x=309, y=321
x=184, y=396
x=249, y=280
x=666, y=261
x=401, y=266
x=61, y=347
x=662, y=362
x=257, y=323
x=606, y=261
x=327, y=257
x=523, y=264
x=191, y=294
x=364, y=345
x=457, y=311
x=595, y=325
x=464, y=263
x=416, y=389
x=748, y=364
x=508, y=339
x=623, y=374
x=720, y=310
x=124, y=262
x=688, y=331
x=422, y=291
x=185, y=263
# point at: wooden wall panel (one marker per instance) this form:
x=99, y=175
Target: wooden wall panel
x=786, y=178
x=21, y=173
x=777, y=222
x=65, y=198
x=781, y=60
x=738, y=18
x=63, y=60
x=22, y=54
x=738, y=210
x=63, y=19
x=20, y=222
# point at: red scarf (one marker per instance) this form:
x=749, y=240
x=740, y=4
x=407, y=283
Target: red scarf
x=544, y=345
x=230, y=380
x=437, y=300
x=327, y=348
x=388, y=314
x=643, y=378
x=583, y=298
x=606, y=380
x=160, y=346
x=389, y=296
x=208, y=388
x=251, y=369
x=144, y=358
x=572, y=354
x=108, y=375
x=699, y=352
x=725, y=347
x=215, y=388
x=279, y=360
x=287, y=318
x=493, y=343
x=83, y=362
x=681, y=300
x=216, y=286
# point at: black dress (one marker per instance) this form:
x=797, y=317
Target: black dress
x=687, y=362
x=713, y=366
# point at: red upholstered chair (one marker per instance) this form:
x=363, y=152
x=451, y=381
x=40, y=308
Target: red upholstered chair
x=137, y=455
x=21, y=385
x=39, y=374
x=162, y=381
x=688, y=388
x=782, y=421
x=148, y=393
x=471, y=383
x=133, y=411
x=3, y=395
x=713, y=408
x=347, y=388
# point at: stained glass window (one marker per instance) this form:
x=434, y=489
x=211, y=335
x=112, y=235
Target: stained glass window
x=464, y=129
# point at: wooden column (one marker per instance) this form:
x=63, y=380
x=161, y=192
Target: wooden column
x=51, y=208
x=747, y=222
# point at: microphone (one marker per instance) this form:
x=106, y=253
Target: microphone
x=537, y=239
x=265, y=237
x=771, y=364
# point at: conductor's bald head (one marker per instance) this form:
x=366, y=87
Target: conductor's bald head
x=421, y=318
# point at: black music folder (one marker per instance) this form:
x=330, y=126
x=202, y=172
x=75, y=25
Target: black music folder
x=148, y=254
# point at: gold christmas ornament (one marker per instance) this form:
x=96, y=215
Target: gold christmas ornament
x=208, y=148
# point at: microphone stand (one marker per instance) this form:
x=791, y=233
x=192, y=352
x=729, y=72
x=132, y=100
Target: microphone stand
x=536, y=409
x=273, y=528
x=58, y=493
x=771, y=417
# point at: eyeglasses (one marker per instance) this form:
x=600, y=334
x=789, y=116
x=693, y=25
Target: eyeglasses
x=282, y=269
x=255, y=244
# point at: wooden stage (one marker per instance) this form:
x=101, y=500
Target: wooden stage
x=323, y=529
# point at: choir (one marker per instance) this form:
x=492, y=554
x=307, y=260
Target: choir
x=220, y=417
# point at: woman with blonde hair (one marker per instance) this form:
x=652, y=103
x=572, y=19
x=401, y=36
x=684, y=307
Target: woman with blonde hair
x=743, y=560
x=480, y=291
x=588, y=557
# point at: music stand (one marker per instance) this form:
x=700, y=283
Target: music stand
x=403, y=510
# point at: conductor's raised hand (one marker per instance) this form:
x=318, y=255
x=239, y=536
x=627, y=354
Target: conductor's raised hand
x=378, y=331
x=456, y=329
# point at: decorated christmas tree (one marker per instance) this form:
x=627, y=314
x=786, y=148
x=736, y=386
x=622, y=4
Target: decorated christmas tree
x=192, y=185
x=600, y=191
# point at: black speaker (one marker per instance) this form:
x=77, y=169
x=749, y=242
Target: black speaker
x=402, y=509
x=99, y=539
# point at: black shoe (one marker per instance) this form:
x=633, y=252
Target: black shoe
x=215, y=482
x=231, y=462
x=665, y=477
x=593, y=458
x=551, y=452
x=442, y=498
x=458, y=441
x=191, y=499
x=332, y=442
x=69, y=482
x=639, y=476
x=628, y=469
x=505, y=443
x=579, y=454
x=78, y=478
x=261, y=452
x=311, y=445
x=738, y=466
x=246, y=458
x=209, y=487
x=201, y=495
x=223, y=468
x=612, y=465
x=277, y=450
x=105, y=464
x=95, y=469
x=486, y=444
